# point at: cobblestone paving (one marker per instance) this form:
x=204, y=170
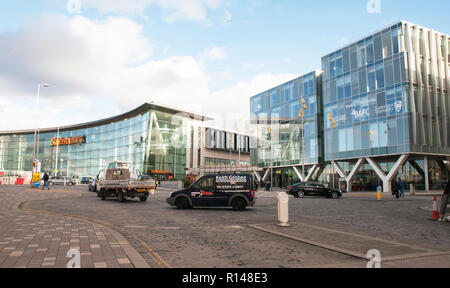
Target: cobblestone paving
x=41, y=240
x=220, y=237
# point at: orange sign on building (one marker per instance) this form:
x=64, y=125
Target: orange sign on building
x=68, y=141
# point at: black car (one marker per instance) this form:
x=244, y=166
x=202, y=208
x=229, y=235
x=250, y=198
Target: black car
x=302, y=189
x=221, y=190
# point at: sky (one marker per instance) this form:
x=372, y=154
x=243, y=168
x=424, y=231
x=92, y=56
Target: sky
x=106, y=57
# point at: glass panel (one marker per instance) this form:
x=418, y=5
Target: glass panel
x=372, y=79
x=369, y=51
x=378, y=49
x=380, y=76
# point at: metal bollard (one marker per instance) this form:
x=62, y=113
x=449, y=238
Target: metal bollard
x=283, y=210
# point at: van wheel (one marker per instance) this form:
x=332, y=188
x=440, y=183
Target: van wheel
x=239, y=204
x=182, y=203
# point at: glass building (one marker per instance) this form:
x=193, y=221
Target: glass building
x=380, y=110
x=388, y=96
x=152, y=138
x=278, y=132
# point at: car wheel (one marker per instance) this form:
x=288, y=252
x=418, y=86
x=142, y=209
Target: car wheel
x=51, y=184
x=301, y=194
x=239, y=204
x=70, y=184
x=182, y=203
x=334, y=195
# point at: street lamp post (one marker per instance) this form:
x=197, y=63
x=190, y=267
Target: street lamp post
x=36, y=120
x=57, y=151
x=333, y=127
x=302, y=116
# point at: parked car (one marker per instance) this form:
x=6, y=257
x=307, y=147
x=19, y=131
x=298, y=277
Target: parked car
x=86, y=180
x=93, y=185
x=61, y=180
x=221, y=190
x=302, y=189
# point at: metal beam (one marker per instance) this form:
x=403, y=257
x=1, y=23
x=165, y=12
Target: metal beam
x=339, y=170
x=311, y=173
x=352, y=174
x=387, y=179
x=257, y=176
x=299, y=174
x=427, y=176
x=319, y=171
x=265, y=175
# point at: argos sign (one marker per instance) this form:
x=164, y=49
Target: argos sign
x=68, y=141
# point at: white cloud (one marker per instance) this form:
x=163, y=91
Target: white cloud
x=215, y=53
x=98, y=69
x=175, y=10
x=103, y=63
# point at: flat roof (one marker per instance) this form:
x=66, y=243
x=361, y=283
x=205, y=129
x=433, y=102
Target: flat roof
x=140, y=110
x=316, y=73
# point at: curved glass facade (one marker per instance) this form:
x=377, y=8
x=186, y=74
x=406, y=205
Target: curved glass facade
x=153, y=141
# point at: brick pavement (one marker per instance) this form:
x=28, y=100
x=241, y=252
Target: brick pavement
x=42, y=240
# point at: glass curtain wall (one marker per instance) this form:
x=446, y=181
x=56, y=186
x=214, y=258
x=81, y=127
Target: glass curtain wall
x=365, y=90
x=277, y=129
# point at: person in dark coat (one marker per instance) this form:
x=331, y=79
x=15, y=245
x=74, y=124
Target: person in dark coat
x=45, y=179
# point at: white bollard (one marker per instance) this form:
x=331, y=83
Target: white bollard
x=283, y=210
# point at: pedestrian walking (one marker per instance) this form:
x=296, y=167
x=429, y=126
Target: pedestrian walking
x=401, y=187
x=45, y=179
x=395, y=189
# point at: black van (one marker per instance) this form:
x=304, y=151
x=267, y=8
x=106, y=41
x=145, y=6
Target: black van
x=221, y=190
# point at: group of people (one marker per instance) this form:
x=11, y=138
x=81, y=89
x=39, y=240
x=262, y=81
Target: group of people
x=398, y=188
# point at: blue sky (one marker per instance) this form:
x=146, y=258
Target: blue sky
x=247, y=38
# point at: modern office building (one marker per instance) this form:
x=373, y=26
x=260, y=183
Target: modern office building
x=279, y=132
x=157, y=140
x=386, y=111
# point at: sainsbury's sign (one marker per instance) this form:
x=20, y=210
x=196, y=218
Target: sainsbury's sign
x=68, y=141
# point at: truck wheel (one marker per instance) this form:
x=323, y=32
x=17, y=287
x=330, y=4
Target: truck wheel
x=120, y=196
x=182, y=203
x=103, y=195
x=239, y=204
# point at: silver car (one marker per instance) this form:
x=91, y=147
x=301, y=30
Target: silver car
x=61, y=181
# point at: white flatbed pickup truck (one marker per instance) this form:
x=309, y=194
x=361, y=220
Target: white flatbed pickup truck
x=118, y=183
